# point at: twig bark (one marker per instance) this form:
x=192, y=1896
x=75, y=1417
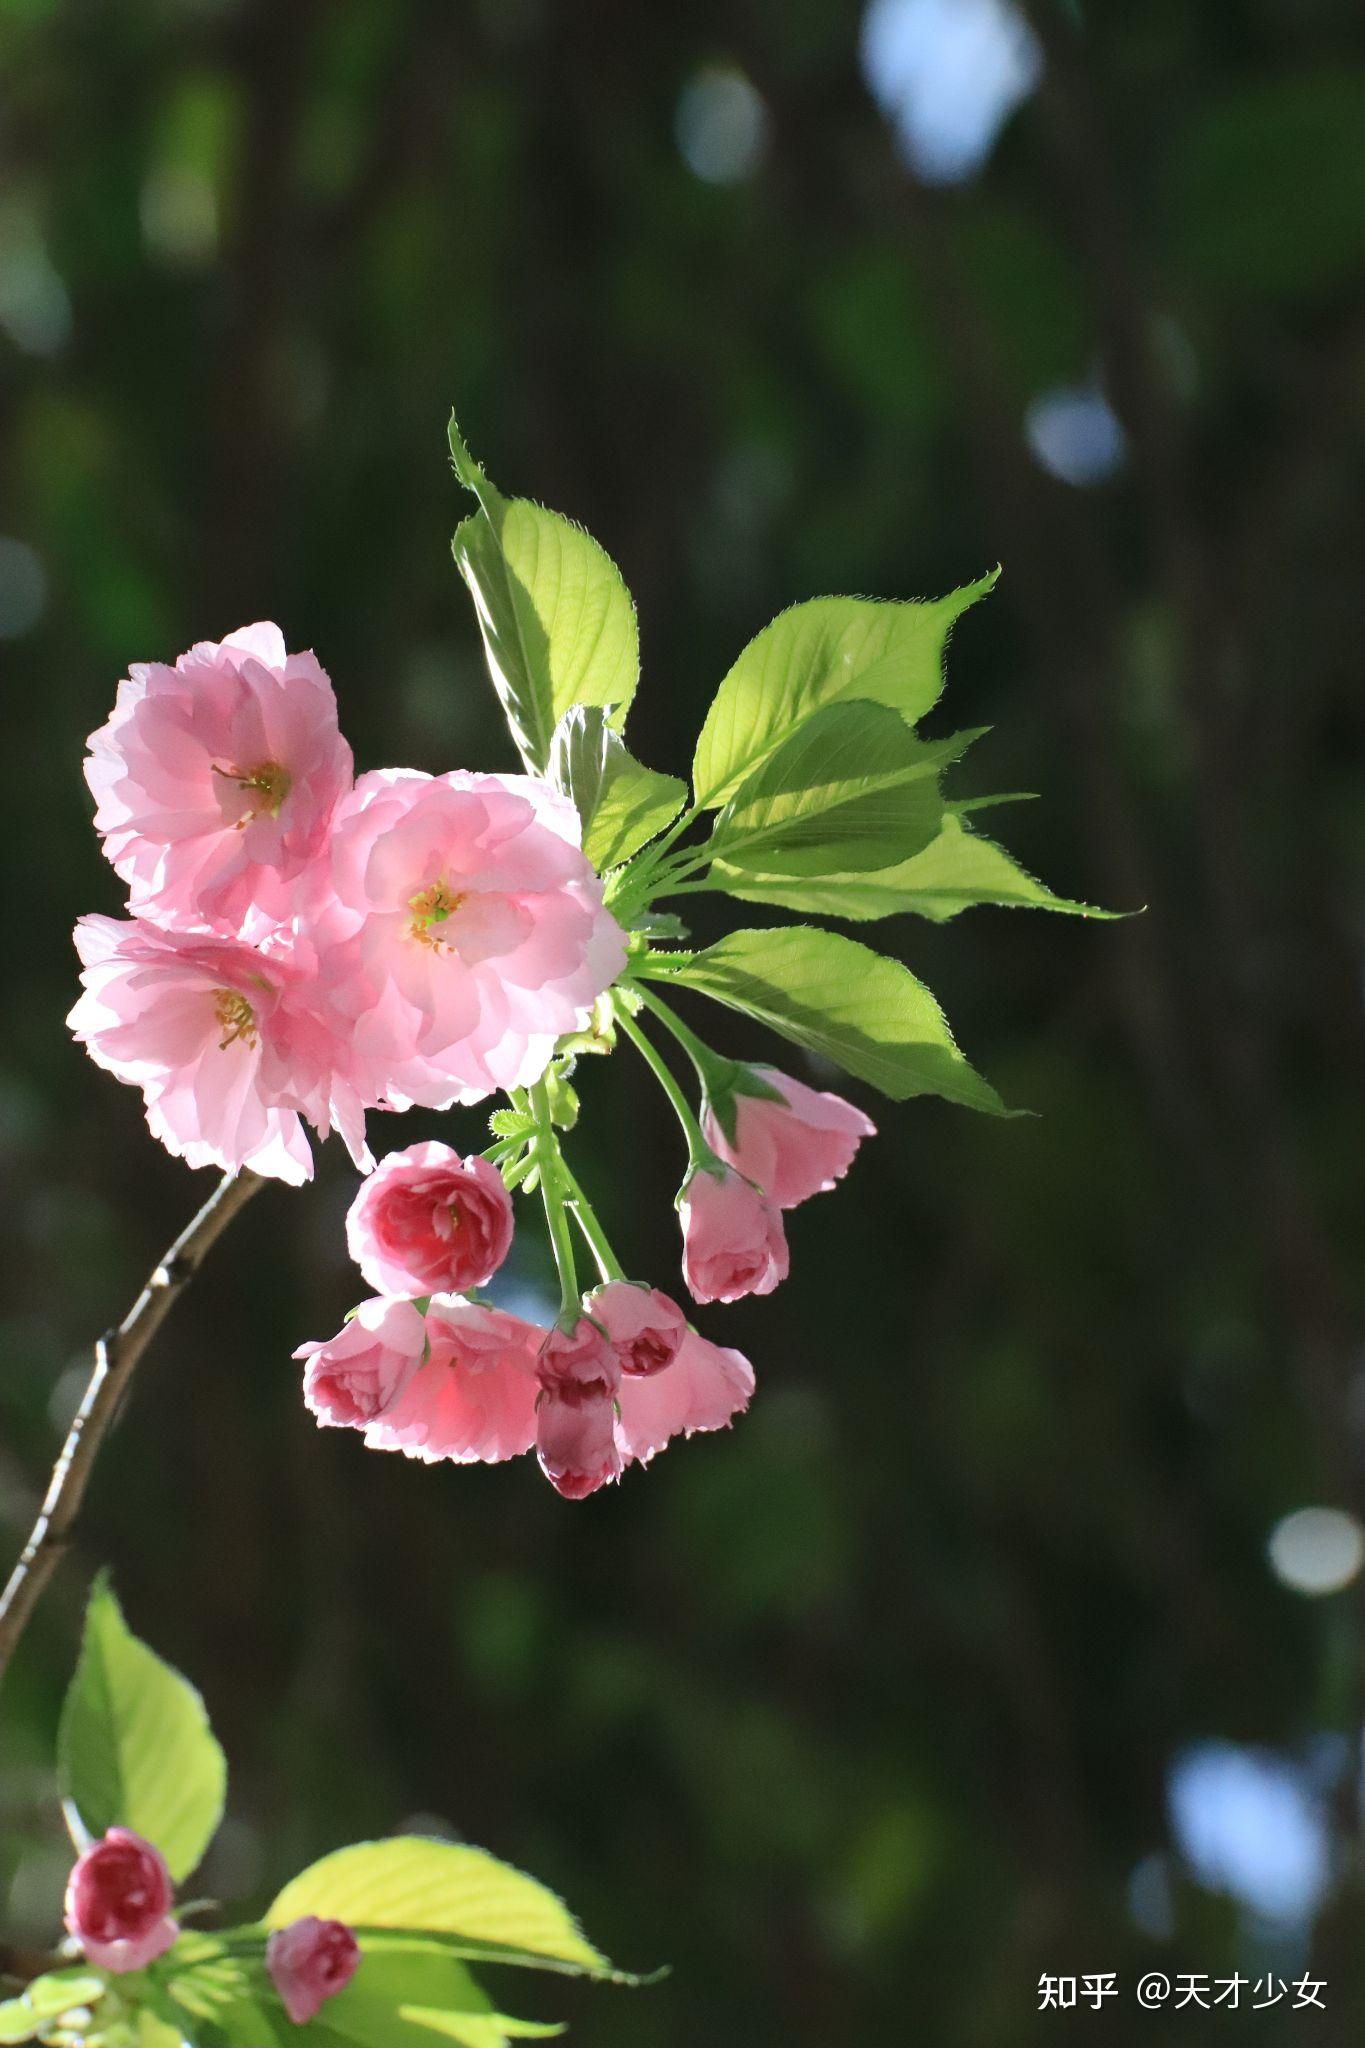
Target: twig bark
x=116, y=1356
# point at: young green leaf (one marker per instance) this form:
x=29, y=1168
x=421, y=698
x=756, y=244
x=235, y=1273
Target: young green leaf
x=59, y=1991
x=401, y=1997
x=18, y=2022
x=851, y=788
x=134, y=1746
x=955, y=871
x=442, y=1888
x=622, y=804
x=219, y=1996
x=842, y=1002
x=820, y=652
x=557, y=621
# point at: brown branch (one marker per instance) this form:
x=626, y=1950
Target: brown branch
x=116, y=1356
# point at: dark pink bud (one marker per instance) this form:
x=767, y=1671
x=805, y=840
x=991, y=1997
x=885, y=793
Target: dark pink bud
x=118, y=1901
x=309, y=1962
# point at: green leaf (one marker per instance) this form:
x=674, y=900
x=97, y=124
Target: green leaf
x=955, y=871
x=18, y=2022
x=134, y=1748
x=443, y=1888
x=400, y=1997
x=842, y=1002
x=820, y=652
x=622, y=804
x=851, y=788
x=557, y=621
x=220, y=1997
x=62, y=1991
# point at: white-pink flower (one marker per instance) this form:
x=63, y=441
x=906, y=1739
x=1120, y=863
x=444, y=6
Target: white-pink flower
x=474, y=1398
x=224, y=1039
x=672, y=1381
x=215, y=780
x=462, y=932
x=793, y=1143
x=360, y=1373
x=704, y=1387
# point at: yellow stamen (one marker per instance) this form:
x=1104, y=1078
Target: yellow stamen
x=236, y=1016
x=432, y=907
x=270, y=778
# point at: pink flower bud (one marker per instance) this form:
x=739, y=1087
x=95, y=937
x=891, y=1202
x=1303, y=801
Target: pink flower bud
x=309, y=1962
x=118, y=1902
x=428, y=1222
x=360, y=1373
x=794, y=1146
x=644, y=1326
x=576, y=1410
x=733, y=1240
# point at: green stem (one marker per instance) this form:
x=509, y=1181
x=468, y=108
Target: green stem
x=701, y=1056
x=547, y=1158
x=585, y=1216
x=699, y=1153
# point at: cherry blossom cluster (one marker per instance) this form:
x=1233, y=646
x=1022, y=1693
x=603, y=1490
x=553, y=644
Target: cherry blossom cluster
x=303, y=946
x=306, y=945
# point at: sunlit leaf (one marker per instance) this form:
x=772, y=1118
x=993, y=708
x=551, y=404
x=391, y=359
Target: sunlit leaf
x=446, y=1888
x=621, y=804
x=820, y=652
x=134, y=1747
x=557, y=621
x=844, y=1003
x=955, y=871
x=851, y=788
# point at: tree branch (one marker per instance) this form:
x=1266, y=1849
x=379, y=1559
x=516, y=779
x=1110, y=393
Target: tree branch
x=116, y=1355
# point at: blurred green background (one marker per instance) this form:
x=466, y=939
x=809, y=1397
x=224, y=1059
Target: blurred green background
x=968, y=1656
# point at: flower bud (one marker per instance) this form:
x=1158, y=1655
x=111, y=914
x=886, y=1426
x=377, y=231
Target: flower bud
x=576, y=1410
x=428, y=1222
x=309, y=1962
x=118, y=1902
x=733, y=1240
x=644, y=1326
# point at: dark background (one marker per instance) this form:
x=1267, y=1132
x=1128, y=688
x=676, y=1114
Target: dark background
x=963, y=1658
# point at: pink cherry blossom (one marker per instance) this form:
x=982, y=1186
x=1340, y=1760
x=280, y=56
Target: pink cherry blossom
x=704, y=1387
x=576, y=1412
x=793, y=1147
x=733, y=1240
x=118, y=1902
x=474, y=1399
x=215, y=780
x=223, y=1038
x=309, y=1962
x=644, y=1326
x=361, y=1372
x=463, y=932
x=428, y=1222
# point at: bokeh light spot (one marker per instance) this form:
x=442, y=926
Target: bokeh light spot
x=948, y=74
x=1075, y=435
x=1317, y=1550
x=721, y=125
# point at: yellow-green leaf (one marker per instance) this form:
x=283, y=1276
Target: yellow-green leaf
x=441, y=1888
x=557, y=621
x=134, y=1747
x=822, y=652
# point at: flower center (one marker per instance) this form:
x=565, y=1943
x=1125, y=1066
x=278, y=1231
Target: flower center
x=431, y=907
x=271, y=781
x=235, y=1016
